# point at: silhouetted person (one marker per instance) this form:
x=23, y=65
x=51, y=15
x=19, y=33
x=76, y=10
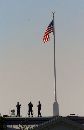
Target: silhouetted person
x=30, y=111
x=39, y=109
x=18, y=109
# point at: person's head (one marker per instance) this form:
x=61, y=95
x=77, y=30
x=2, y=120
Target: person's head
x=18, y=103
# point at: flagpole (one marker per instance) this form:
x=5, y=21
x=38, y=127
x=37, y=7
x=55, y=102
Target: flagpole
x=55, y=104
x=54, y=57
x=51, y=28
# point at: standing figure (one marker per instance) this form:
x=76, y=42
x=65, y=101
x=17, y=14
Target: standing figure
x=39, y=109
x=18, y=109
x=30, y=111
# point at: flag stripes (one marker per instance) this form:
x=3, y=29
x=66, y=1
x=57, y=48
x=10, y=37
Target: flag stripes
x=49, y=30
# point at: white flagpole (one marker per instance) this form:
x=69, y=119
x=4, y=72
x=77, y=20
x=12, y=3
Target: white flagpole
x=55, y=105
x=54, y=58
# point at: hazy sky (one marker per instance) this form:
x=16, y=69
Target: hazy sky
x=26, y=64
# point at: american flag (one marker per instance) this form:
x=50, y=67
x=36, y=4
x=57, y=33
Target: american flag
x=49, y=29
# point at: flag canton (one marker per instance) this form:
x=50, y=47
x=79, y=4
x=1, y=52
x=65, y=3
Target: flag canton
x=49, y=29
x=51, y=24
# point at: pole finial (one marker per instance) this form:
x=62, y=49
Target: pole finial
x=53, y=13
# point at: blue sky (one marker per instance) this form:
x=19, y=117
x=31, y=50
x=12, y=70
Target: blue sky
x=26, y=64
